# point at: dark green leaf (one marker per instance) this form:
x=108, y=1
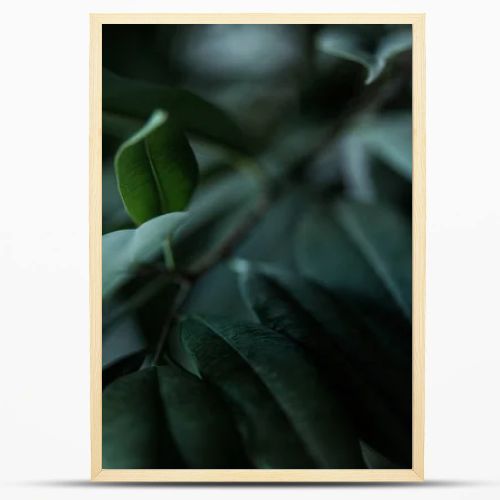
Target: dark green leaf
x=124, y=251
x=128, y=103
x=361, y=250
x=134, y=435
x=123, y=367
x=216, y=293
x=120, y=338
x=156, y=170
x=313, y=411
x=201, y=423
x=165, y=417
x=352, y=333
x=350, y=361
x=268, y=435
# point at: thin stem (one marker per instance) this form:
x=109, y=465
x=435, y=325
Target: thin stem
x=138, y=299
x=182, y=293
x=232, y=240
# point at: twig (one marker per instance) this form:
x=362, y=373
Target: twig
x=228, y=245
x=184, y=287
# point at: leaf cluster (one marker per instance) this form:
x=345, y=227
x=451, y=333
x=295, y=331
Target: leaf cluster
x=257, y=246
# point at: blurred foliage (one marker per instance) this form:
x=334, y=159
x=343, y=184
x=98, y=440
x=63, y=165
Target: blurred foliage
x=257, y=207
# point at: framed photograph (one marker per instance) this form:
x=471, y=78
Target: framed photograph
x=257, y=247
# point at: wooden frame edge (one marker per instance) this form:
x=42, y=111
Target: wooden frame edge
x=95, y=257
x=416, y=474
x=316, y=476
x=258, y=18
x=418, y=242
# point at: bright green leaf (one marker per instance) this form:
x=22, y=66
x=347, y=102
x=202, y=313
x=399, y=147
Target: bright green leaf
x=156, y=170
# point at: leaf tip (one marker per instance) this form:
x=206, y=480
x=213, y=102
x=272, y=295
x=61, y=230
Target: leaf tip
x=240, y=266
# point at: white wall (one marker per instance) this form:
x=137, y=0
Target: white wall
x=44, y=366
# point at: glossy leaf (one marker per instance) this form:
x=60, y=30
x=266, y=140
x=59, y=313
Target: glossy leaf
x=200, y=421
x=156, y=170
x=126, y=250
x=133, y=424
x=352, y=332
x=268, y=436
x=314, y=412
x=128, y=103
x=166, y=418
x=352, y=364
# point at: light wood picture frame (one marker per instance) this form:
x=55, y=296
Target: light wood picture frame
x=416, y=473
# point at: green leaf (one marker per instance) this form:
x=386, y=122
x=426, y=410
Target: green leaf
x=156, y=170
x=389, y=137
x=164, y=417
x=347, y=44
x=120, y=338
x=268, y=437
x=133, y=424
x=353, y=333
x=216, y=291
x=122, y=367
x=114, y=216
x=314, y=413
x=127, y=104
x=360, y=250
x=201, y=424
x=124, y=251
x=352, y=364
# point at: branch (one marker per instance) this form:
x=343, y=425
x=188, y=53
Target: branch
x=231, y=241
x=372, y=99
